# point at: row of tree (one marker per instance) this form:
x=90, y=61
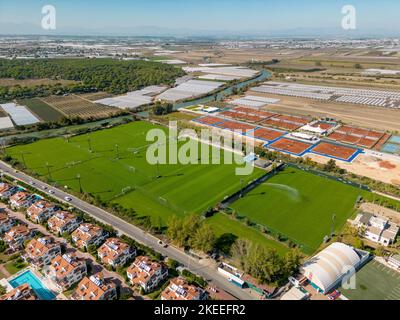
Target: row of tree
x=264, y=264
x=110, y=75
x=191, y=232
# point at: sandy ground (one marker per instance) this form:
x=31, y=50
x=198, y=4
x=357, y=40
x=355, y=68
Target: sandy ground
x=369, y=166
x=370, y=117
x=381, y=211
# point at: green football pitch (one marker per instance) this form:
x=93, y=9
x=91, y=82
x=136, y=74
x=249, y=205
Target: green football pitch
x=300, y=205
x=375, y=282
x=112, y=165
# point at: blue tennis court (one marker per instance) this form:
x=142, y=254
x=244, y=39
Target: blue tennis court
x=391, y=148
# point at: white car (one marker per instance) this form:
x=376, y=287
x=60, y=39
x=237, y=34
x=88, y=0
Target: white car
x=31, y=183
x=69, y=199
x=51, y=192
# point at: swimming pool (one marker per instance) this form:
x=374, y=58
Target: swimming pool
x=28, y=277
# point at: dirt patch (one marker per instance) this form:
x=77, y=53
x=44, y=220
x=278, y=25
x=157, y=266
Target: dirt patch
x=387, y=165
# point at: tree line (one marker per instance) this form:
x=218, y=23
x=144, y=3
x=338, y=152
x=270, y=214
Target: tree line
x=110, y=75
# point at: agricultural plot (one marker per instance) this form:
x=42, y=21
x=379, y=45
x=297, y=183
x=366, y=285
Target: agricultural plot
x=117, y=171
x=42, y=109
x=75, y=106
x=300, y=205
x=375, y=282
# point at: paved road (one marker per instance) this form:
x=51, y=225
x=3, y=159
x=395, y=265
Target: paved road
x=210, y=273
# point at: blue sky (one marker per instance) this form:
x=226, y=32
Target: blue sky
x=223, y=15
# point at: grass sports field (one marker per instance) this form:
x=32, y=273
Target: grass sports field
x=375, y=282
x=300, y=205
x=117, y=171
x=227, y=230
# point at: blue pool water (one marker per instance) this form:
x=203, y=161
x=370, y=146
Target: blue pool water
x=391, y=148
x=395, y=139
x=28, y=277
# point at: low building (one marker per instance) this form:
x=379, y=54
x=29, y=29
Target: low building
x=40, y=252
x=179, y=289
x=328, y=268
x=296, y=293
x=66, y=270
x=17, y=235
x=22, y=199
x=63, y=222
x=95, y=288
x=114, y=252
x=146, y=274
x=376, y=229
x=23, y=292
x=6, y=222
x=88, y=234
x=7, y=190
x=40, y=211
x=394, y=261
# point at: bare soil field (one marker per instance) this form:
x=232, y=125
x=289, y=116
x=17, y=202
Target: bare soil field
x=370, y=117
x=368, y=166
x=95, y=96
x=75, y=106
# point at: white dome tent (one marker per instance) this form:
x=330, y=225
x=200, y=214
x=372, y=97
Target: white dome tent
x=326, y=270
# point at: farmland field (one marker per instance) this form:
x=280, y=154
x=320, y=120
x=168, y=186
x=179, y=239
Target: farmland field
x=41, y=109
x=76, y=106
x=300, y=205
x=117, y=171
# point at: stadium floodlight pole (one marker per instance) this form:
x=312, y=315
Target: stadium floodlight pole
x=333, y=225
x=117, y=150
x=78, y=176
x=48, y=170
x=23, y=159
x=90, y=144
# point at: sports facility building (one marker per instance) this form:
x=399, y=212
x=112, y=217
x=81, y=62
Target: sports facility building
x=327, y=269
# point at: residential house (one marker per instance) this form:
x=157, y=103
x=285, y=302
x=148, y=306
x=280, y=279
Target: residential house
x=6, y=222
x=41, y=211
x=40, y=252
x=66, y=270
x=17, y=235
x=114, y=252
x=88, y=234
x=95, y=288
x=23, y=292
x=146, y=273
x=180, y=289
x=376, y=229
x=22, y=199
x=63, y=222
x=7, y=190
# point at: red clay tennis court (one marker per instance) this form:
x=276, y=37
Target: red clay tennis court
x=291, y=146
x=233, y=125
x=286, y=122
x=357, y=136
x=241, y=116
x=334, y=150
x=324, y=125
x=209, y=120
x=267, y=134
